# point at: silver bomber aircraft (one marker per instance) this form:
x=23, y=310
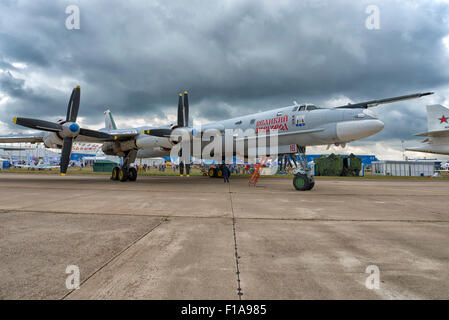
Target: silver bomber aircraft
x=298, y=125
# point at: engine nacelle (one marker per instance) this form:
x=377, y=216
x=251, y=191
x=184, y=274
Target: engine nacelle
x=52, y=140
x=118, y=148
x=151, y=142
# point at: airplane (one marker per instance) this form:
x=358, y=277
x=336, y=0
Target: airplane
x=437, y=140
x=297, y=125
x=41, y=165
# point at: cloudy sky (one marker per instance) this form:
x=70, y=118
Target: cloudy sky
x=234, y=56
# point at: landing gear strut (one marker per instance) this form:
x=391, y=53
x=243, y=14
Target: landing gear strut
x=181, y=169
x=126, y=172
x=303, y=179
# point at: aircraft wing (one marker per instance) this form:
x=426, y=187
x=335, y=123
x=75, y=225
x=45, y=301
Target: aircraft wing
x=436, y=133
x=46, y=166
x=17, y=138
x=24, y=166
x=123, y=134
x=6, y=148
x=93, y=136
x=375, y=103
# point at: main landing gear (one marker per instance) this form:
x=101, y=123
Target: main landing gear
x=303, y=179
x=126, y=172
x=215, y=173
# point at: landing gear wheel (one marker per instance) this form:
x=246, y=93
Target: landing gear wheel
x=311, y=183
x=132, y=176
x=219, y=173
x=211, y=172
x=302, y=182
x=123, y=174
x=115, y=172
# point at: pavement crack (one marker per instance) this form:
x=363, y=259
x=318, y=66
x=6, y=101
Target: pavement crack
x=237, y=257
x=116, y=256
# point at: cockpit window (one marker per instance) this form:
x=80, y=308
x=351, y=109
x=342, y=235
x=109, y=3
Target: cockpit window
x=302, y=108
x=295, y=109
x=311, y=107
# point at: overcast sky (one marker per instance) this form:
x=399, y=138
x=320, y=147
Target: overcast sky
x=234, y=56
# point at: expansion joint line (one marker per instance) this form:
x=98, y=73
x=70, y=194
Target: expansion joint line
x=237, y=257
x=117, y=255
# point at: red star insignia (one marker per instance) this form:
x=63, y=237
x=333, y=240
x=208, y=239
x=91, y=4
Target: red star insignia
x=443, y=119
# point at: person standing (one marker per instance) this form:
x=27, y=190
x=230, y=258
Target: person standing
x=226, y=172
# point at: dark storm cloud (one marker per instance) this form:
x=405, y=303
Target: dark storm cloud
x=21, y=50
x=234, y=57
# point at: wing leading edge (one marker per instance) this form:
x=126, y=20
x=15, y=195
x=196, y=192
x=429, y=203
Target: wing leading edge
x=374, y=103
x=19, y=138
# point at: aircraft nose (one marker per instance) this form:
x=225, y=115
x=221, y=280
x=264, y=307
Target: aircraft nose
x=353, y=130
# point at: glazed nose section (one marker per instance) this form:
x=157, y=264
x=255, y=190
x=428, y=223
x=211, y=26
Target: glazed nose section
x=353, y=130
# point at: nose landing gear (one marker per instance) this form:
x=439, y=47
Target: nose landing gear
x=302, y=182
x=303, y=179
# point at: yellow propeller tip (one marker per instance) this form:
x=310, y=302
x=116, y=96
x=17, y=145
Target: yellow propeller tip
x=14, y=120
x=78, y=87
x=185, y=92
x=180, y=94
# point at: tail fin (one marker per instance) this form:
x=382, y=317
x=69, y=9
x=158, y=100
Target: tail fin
x=109, y=122
x=437, y=117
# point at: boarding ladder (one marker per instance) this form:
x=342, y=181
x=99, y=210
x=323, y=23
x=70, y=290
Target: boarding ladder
x=256, y=174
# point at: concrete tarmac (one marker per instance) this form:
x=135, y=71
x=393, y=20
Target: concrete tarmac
x=199, y=238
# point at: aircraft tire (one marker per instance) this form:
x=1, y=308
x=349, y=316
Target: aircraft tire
x=301, y=182
x=132, y=175
x=311, y=183
x=114, y=175
x=123, y=174
x=219, y=173
x=211, y=172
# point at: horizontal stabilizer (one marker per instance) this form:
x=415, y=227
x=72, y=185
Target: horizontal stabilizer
x=436, y=133
x=437, y=149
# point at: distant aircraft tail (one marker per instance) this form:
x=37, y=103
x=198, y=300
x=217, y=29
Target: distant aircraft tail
x=437, y=118
x=109, y=122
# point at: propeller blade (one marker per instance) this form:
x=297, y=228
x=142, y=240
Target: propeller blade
x=65, y=154
x=74, y=105
x=186, y=109
x=158, y=132
x=38, y=124
x=96, y=134
x=180, y=112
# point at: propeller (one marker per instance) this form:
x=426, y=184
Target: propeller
x=186, y=109
x=67, y=130
x=180, y=112
x=183, y=118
